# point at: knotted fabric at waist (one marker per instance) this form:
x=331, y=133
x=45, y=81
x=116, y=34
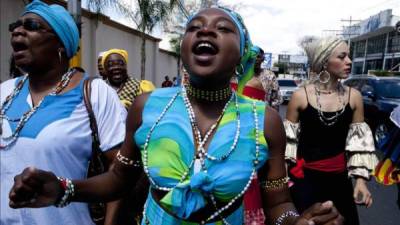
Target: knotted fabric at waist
x=336, y=164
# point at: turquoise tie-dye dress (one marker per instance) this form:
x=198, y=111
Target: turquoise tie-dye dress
x=171, y=149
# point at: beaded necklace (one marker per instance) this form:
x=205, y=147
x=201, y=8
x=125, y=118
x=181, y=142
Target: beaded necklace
x=28, y=114
x=211, y=96
x=329, y=121
x=148, y=137
x=203, y=154
x=218, y=212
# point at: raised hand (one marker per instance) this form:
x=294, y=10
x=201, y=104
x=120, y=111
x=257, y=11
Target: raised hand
x=320, y=213
x=35, y=188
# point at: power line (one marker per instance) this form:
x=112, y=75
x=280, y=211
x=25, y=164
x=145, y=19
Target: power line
x=350, y=34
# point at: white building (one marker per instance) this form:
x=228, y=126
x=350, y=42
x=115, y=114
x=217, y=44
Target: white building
x=375, y=45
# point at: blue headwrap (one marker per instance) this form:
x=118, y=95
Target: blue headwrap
x=60, y=21
x=248, y=52
x=237, y=19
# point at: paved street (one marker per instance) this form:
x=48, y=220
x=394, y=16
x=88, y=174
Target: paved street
x=384, y=210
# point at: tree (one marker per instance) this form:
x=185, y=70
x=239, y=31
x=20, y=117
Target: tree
x=175, y=43
x=149, y=14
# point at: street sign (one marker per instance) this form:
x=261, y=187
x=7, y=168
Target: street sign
x=267, y=64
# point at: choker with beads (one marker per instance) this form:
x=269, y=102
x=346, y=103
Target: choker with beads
x=212, y=96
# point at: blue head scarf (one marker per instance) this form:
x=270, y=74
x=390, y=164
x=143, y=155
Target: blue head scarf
x=248, y=52
x=60, y=21
x=245, y=41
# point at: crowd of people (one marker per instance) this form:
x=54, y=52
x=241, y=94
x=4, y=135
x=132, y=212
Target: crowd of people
x=209, y=148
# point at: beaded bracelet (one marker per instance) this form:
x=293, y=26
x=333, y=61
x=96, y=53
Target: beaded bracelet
x=128, y=162
x=273, y=184
x=69, y=191
x=285, y=215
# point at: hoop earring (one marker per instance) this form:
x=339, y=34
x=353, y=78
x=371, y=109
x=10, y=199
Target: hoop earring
x=59, y=55
x=321, y=79
x=238, y=73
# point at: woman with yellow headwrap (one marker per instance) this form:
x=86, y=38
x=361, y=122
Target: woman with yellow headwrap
x=114, y=63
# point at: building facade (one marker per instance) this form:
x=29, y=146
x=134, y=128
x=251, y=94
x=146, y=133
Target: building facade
x=375, y=43
x=296, y=65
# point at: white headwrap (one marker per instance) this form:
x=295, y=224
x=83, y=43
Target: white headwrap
x=319, y=50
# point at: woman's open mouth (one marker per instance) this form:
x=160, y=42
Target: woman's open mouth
x=19, y=48
x=204, y=51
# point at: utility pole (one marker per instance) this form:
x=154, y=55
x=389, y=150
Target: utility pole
x=350, y=27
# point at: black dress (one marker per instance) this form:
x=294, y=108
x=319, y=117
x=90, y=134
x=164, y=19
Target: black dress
x=317, y=142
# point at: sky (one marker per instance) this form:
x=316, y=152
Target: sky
x=278, y=25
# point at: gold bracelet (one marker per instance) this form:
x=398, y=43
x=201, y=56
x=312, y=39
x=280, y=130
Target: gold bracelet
x=128, y=162
x=274, y=184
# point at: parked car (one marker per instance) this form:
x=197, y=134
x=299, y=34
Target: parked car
x=380, y=96
x=286, y=88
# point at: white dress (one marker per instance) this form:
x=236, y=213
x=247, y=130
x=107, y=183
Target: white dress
x=56, y=138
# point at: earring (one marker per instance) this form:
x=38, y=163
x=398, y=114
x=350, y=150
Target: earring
x=237, y=72
x=323, y=80
x=59, y=54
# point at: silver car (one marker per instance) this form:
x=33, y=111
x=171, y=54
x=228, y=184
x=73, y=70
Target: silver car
x=286, y=88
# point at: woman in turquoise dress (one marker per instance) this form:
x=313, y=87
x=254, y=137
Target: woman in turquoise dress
x=200, y=145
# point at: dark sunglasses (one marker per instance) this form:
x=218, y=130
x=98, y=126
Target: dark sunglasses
x=27, y=24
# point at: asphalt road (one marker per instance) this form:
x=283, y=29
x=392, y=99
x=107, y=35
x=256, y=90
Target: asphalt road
x=384, y=210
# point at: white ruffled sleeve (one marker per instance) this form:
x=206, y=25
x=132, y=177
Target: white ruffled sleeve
x=292, y=139
x=360, y=148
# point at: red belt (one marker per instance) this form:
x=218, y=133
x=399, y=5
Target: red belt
x=336, y=164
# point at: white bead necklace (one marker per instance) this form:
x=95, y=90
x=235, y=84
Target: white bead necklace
x=255, y=163
x=203, y=153
x=27, y=115
x=146, y=152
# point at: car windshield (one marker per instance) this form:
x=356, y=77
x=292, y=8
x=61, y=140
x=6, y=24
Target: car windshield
x=287, y=83
x=389, y=88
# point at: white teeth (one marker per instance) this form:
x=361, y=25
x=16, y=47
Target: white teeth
x=204, y=44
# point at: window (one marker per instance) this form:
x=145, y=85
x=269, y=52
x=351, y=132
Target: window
x=359, y=49
x=366, y=89
x=389, y=88
x=376, y=44
x=287, y=83
x=359, y=83
x=357, y=67
x=394, y=42
x=351, y=82
x=375, y=64
x=390, y=63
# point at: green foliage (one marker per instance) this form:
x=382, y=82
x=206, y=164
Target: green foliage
x=152, y=12
x=175, y=43
x=99, y=6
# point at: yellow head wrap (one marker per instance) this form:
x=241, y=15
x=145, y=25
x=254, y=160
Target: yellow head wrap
x=121, y=52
